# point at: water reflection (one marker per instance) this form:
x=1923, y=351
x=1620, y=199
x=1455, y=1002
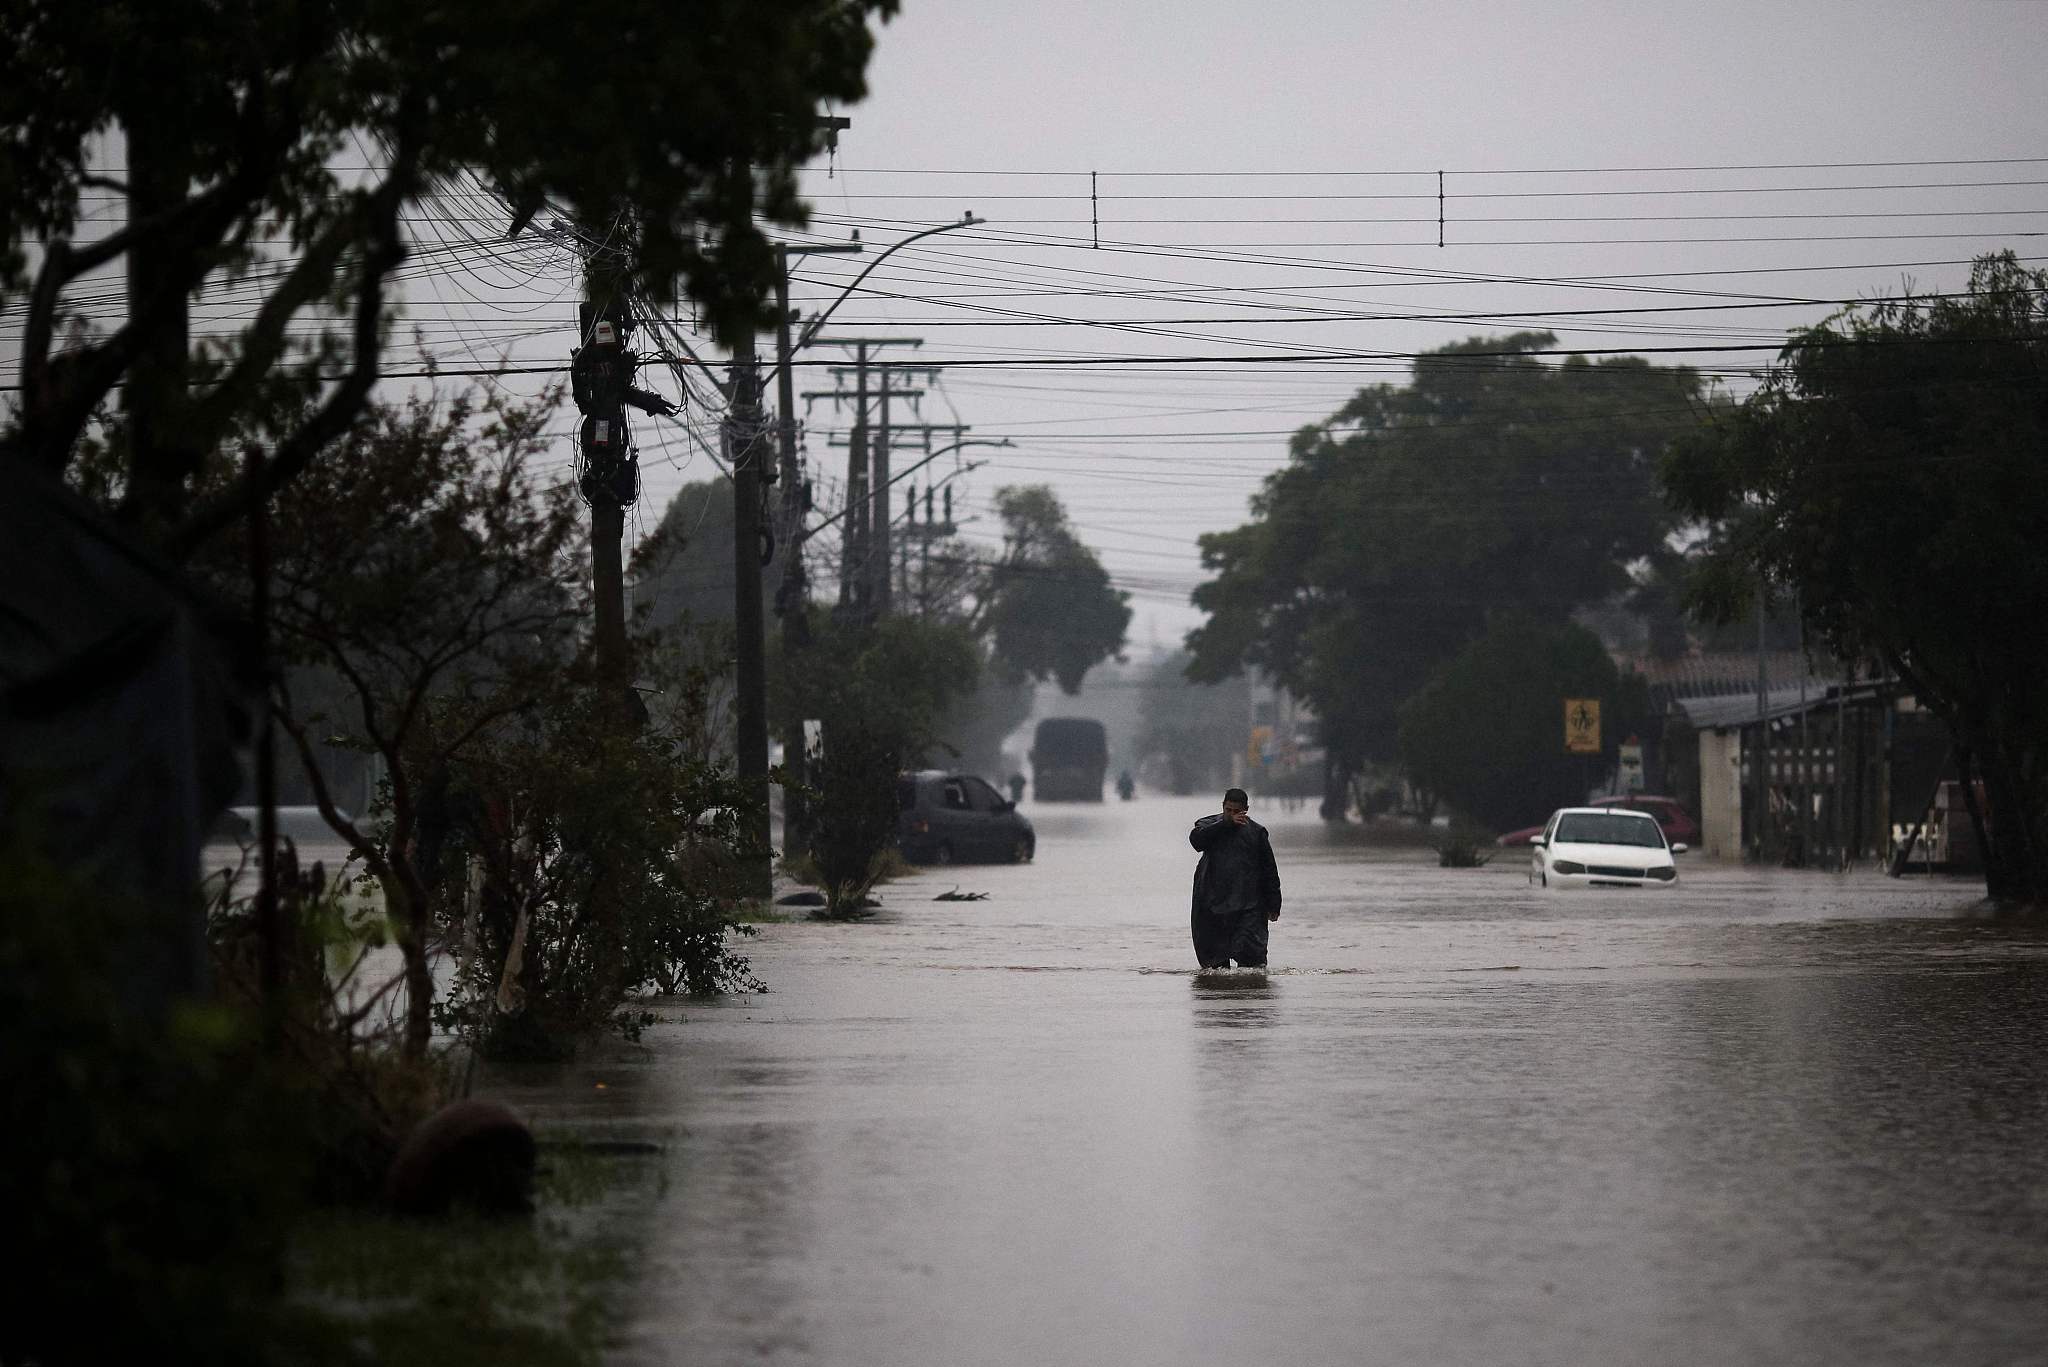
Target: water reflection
x=1765, y=1118
x=1234, y=999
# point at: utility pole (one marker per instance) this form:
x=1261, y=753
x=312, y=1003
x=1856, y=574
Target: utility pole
x=864, y=539
x=745, y=426
x=1762, y=761
x=879, y=554
x=856, y=480
x=878, y=459
x=792, y=596
x=601, y=372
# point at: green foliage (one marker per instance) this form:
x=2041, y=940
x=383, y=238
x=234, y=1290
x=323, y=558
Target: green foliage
x=684, y=572
x=1048, y=607
x=976, y=724
x=470, y=1290
x=577, y=863
x=151, y=1160
x=604, y=862
x=1890, y=474
x=1192, y=730
x=881, y=693
x=431, y=572
x=1489, y=483
x=854, y=822
x=1486, y=732
x=676, y=131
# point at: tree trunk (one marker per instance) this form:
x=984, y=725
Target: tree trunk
x=413, y=918
x=2014, y=869
x=1336, y=789
x=160, y=459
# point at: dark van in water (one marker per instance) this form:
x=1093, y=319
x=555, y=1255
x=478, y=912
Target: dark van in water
x=942, y=817
x=1069, y=757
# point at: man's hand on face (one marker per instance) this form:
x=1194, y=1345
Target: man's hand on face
x=1238, y=815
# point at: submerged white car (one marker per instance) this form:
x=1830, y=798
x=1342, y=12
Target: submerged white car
x=1602, y=847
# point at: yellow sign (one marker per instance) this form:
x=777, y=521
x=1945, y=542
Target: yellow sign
x=1582, y=726
x=1255, y=753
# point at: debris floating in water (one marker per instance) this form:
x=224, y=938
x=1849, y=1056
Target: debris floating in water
x=958, y=896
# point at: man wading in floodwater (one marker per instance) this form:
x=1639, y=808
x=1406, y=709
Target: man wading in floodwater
x=1237, y=886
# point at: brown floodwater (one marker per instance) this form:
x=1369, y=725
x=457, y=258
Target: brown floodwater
x=1765, y=1116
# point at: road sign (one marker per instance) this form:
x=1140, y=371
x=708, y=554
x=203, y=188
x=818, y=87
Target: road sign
x=1631, y=764
x=1582, y=726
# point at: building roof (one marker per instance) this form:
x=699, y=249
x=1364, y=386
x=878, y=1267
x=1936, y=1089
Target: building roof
x=1719, y=714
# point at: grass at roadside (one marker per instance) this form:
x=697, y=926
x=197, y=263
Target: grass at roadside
x=541, y=1292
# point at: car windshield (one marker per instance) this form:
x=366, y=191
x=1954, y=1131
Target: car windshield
x=1608, y=828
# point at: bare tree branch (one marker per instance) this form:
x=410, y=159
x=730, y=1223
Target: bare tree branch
x=264, y=340
x=383, y=250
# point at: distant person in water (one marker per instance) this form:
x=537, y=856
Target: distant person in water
x=1237, y=886
x=1016, y=788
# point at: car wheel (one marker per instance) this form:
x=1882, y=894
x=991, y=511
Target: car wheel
x=1020, y=852
x=944, y=853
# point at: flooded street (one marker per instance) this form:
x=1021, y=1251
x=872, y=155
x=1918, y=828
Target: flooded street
x=1764, y=1117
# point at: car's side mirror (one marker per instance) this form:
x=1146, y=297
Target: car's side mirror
x=1005, y=805
x=1536, y=840
x=1680, y=847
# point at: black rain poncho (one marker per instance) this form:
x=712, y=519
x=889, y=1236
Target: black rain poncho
x=1237, y=886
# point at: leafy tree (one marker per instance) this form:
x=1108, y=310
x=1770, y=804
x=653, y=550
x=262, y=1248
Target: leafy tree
x=1890, y=473
x=975, y=725
x=952, y=672
x=684, y=572
x=1486, y=732
x=608, y=861
x=1494, y=481
x=880, y=692
x=144, y=1155
x=243, y=126
x=1046, y=605
x=1193, y=729
x=430, y=570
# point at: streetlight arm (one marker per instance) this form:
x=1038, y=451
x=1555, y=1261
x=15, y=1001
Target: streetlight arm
x=811, y=328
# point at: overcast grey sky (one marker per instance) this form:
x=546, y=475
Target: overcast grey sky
x=976, y=105
x=1265, y=180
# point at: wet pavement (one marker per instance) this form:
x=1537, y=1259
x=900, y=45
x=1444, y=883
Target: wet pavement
x=1764, y=1117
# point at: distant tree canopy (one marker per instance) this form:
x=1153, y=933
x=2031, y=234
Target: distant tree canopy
x=1486, y=733
x=1891, y=473
x=238, y=133
x=1046, y=604
x=1493, y=481
x=684, y=573
x=1043, y=606
x=1190, y=730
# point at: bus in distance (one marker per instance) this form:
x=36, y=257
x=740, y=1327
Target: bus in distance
x=1069, y=757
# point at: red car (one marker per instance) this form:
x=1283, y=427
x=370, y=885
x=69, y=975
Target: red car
x=1680, y=827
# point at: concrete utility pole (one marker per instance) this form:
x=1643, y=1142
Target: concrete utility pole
x=863, y=589
x=745, y=427
x=1762, y=761
x=878, y=461
x=792, y=596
